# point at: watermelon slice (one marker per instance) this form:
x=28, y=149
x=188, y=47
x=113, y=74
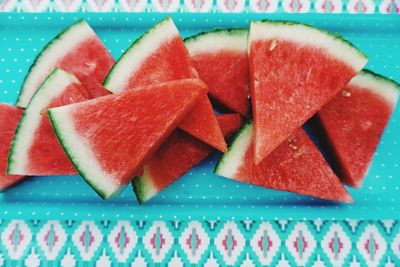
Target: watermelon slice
x=9, y=118
x=355, y=120
x=295, y=69
x=229, y=123
x=220, y=58
x=35, y=149
x=77, y=50
x=178, y=154
x=109, y=139
x=159, y=56
x=295, y=166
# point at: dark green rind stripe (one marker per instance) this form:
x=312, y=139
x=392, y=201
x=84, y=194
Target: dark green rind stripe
x=22, y=121
x=231, y=148
x=141, y=186
x=114, y=68
x=336, y=36
x=139, y=189
x=380, y=78
x=54, y=40
x=216, y=31
x=69, y=153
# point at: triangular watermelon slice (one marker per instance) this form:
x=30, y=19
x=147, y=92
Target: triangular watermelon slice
x=35, y=149
x=109, y=139
x=295, y=69
x=355, y=120
x=158, y=56
x=77, y=50
x=177, y=155
x=220, y=58
x=295, y=166
x=9, y=118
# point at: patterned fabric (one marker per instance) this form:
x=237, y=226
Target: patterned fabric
x=34, y=243
x=222, y=6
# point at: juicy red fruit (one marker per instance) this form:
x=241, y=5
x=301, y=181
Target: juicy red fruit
x=289, y=83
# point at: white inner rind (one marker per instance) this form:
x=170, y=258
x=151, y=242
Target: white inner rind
x=51, y=88
x=233, y=159
x=80, y=152
x=49, y=58
x=148, y=189
x=213, y=42
x=299, y=33
x=385, y=88
x=132, y=60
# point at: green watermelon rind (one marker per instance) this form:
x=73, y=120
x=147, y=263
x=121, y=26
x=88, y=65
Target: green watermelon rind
x=241, y=133
x=114, y=70
x=218, y=32
x=69, y=154
x=377, y=84
x=23, y=119
x=335, y=36
x=42, y=54
x=142, y=186
x=380, y=78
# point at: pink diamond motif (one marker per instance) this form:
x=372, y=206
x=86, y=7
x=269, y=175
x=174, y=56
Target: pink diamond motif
x=332, y=244
x=301, y=243
x=122, y=239
x=16, y=236
x=118, y=237
x=229, y=242
x=300, y=240
x=368, y=246
x=189, y=241
x=49, y=243
x=158, y=241
x=87, y=239
x=194, y=241
x=336, y=244
x=265, y=243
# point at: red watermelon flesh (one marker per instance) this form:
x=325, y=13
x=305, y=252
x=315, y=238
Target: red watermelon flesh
x=292, y=76
x=94, y=88
x=355, y=120
x=177, y=155
x=89, y=65
x=45, y=156
x=220, y=58
x=109, y=139
x=295, y=166
x=9, y=118
x=158, y=67
x=77, y=50
x=167, y=60
x=229, y=123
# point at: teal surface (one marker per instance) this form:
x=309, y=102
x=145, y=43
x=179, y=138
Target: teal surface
x=199, y=194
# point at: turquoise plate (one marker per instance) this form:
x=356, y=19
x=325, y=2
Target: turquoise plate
x=199, y=194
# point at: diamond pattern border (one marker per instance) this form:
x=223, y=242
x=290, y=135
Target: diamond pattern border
x=204, y=6
x=172, y=243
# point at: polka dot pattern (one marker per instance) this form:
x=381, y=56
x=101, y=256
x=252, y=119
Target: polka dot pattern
x=199, y=193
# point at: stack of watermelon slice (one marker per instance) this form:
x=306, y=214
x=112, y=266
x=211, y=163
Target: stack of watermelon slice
x=148, y=118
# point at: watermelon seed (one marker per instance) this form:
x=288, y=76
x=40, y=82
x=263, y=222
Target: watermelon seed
x=346, y=93
x=293, y=147
x=274, y=43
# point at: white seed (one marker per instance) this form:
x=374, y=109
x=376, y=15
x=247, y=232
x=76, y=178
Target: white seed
x=346, y=93
x=274, y=43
